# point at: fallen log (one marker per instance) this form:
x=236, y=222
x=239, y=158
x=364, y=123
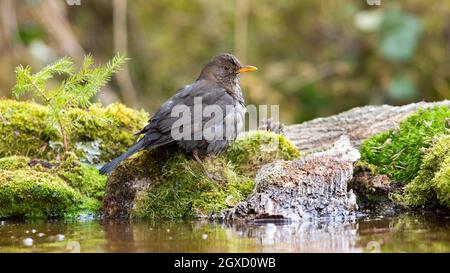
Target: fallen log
x=359, y=124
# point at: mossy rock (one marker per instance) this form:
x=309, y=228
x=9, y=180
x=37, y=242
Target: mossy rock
x=101, y=134
x=248, y=154
x=42, y=189
x=431, y=187
x=167, y=183
x=398, y=153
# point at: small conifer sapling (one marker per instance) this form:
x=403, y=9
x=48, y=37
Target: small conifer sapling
x=75, y=90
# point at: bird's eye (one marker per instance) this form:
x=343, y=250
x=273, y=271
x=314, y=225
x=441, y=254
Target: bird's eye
x=227, y=68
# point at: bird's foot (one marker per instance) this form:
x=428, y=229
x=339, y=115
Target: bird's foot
x=211, y=176
x=205, y=170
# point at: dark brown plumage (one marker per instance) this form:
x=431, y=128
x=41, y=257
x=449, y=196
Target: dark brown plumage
x=218, y=84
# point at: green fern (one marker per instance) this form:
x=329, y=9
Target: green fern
x=75, y=90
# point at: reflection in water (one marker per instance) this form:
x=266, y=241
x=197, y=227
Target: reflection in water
x=213, y=237
x=303, y=237
x=400, y=234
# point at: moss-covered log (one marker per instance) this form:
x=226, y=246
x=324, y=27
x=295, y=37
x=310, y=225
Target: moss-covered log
x=102, y=132
x=415, y=154
x=41, y=189
x=358, y=123
x=167, y=183
x=398, y=145
x=431, y=186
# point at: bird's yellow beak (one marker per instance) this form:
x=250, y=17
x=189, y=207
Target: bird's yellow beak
x=247, y=68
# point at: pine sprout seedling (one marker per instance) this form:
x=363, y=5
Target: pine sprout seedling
x=75, y=90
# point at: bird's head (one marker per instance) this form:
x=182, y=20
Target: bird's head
x=224, y=68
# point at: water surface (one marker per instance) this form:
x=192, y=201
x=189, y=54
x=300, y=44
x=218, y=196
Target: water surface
x=405, y=233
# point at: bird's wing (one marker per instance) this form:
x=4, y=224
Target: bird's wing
x=160, y=126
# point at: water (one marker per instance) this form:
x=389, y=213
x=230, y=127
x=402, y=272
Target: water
x=405, y=233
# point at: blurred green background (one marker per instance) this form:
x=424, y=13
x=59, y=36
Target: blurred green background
x=315, y=57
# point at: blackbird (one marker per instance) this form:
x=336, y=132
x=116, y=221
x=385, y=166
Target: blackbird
x=218, y=86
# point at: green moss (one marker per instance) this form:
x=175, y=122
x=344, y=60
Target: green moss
x=13, y=163
x=112, y=127
x=398, y=153
x=248, y=154
x=23, y=128
x=441, y=183
x=364, y=166
x=34, y=194
x=101, y=134
x=431, y=186
x=64, y=189
x=181, y=188
x=83, y=177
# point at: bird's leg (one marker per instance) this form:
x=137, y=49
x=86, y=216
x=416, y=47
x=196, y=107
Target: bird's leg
x=195, y=154
x=205, y=171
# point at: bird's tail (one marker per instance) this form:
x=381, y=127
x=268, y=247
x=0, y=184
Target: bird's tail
x=134, y=149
